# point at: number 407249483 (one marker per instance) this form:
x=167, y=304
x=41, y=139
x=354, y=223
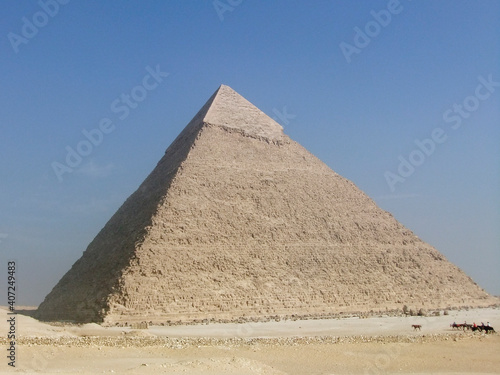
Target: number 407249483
x=11, y=288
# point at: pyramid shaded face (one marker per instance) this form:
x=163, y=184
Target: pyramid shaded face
x=237, y=220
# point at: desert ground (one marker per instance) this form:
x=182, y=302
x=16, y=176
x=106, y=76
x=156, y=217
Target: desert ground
x=374, y=345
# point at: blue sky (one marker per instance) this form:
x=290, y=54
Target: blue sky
x=420, y=70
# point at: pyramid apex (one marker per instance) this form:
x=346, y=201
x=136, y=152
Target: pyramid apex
x=231, y=110
x=225, y=87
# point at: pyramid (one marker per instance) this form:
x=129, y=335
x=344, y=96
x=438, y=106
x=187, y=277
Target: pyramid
x=239, y=221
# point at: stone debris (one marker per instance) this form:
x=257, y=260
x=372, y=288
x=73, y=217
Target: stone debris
x=192, y=342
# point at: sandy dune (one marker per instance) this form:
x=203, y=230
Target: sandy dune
x=435, y=350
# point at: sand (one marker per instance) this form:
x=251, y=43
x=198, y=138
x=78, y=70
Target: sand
x=374, y=345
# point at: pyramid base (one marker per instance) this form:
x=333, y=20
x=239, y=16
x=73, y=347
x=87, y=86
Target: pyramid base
x=129, y=318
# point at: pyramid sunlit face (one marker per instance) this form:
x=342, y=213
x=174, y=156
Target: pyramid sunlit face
x=238, y=221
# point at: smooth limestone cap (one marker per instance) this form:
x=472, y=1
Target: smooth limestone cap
x=229, y=109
